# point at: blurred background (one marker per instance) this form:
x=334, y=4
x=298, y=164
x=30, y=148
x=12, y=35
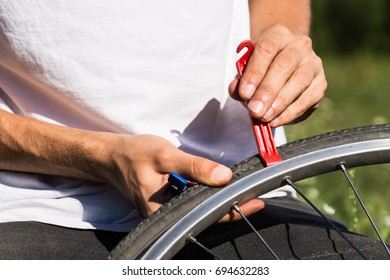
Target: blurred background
x=353, y=39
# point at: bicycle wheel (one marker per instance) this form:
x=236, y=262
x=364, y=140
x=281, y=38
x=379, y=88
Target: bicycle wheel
x=166, y=231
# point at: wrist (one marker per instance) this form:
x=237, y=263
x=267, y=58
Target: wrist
x=99, y=152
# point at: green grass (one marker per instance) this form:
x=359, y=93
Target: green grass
x=358, y=94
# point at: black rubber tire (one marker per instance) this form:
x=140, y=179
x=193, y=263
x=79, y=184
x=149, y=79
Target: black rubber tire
x=139, y=239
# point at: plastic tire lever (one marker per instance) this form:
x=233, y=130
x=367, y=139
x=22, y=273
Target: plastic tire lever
x=262, y=131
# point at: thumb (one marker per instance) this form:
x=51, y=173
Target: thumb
x=204, y=171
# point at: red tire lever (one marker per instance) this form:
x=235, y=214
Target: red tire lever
x=262, y=131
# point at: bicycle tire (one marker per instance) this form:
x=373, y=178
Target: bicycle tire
x=139, y=240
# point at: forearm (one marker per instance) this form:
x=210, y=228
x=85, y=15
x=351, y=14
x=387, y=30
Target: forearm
x=293, y=14
x=28, y=145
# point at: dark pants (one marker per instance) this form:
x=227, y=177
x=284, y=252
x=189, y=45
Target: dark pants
x=292, y=229
x=31, y=240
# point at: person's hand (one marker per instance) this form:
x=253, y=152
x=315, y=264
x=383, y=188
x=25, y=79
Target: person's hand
x=141, y=166
x=284, y=80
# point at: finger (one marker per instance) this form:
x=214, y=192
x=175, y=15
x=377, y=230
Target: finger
x=196, y=168
x=294, y=87
x=266, y=49
x=248, y=209
x=285, y=63
x=303, y=106
x=205, y=171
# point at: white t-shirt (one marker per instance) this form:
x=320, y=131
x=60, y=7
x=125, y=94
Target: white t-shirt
x=135, y=67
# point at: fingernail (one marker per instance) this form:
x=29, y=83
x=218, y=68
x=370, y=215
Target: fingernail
x=221, y=174
x=248, y=91
x=269, y=114
x=256, y=106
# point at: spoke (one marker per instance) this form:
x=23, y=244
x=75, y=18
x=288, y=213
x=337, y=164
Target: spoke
x=236, y=208
x=290, y=183
x=195, y=241
x=351, y=184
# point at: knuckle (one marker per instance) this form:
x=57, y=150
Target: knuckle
x=256, y=75
x=324, y=87
x=164, y=156
x=304, y=78
x=318, y=61
x=281, y=103
x=287, y=116
x=267, y=91
x=285, y=60
x=300, y=106
x=196, y=166
x=266, y=47
x=294, y=111
x=306, y=41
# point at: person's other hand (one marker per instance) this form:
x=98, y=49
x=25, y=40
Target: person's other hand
x=284, y=79
x=141, y=166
